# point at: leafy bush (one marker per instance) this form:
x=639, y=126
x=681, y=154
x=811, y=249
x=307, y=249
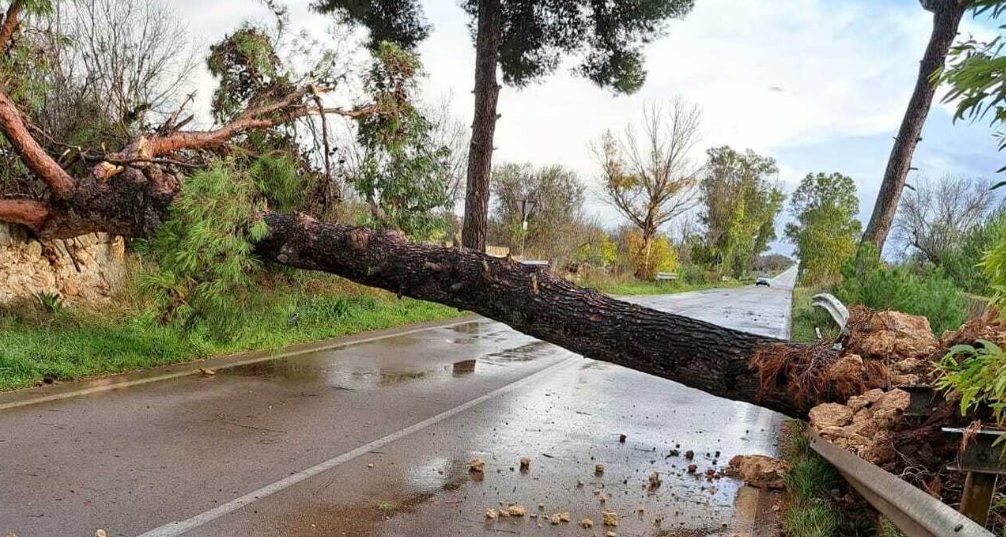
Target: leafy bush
x=867, y=282
x=978, y=373
x=203, y=253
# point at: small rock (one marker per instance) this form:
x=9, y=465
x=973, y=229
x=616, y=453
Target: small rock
x=477, y=465
x=554, y=519
x=490, y=513
x=586, y=523
x=565, y=516
x=692, y=468
x=205, y=371
x=830, y=415
x=760, y=471
x=525, y=464
x=598, y=469
x=100, y=533
x=689, y=454
x=609, y=518
x=579, y=483
x=621, y=438
x=516, y=510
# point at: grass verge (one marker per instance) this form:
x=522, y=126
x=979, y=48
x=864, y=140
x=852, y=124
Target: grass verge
x=75, y=342
x=819, y=503
x=806, y=317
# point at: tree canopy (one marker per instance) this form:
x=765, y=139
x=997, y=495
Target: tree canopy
x=826, y=230
x=740, y=203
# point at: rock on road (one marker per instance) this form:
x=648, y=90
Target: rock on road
x=374, y=439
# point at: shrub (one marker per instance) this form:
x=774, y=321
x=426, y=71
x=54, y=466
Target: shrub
x=931, y=295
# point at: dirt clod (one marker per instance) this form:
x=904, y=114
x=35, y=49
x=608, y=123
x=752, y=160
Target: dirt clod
x=609, y=518
x=586, y=523
x=598, y=469
x=490, y=513
x=477, y=465
x=516, y=510
x=525, y=464
x=692, y=468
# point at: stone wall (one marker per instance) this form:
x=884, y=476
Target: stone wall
x=84, y=269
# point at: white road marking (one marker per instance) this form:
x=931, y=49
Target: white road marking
x=174, y=529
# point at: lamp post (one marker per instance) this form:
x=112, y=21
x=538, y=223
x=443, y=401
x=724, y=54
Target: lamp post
x=526, y=206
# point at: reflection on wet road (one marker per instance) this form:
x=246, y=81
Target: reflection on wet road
x=286, y=435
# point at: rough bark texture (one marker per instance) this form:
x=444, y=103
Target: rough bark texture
x=480, y=155
x=695, y=353
x=946, y=17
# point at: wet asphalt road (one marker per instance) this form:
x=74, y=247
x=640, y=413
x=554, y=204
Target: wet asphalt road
x=374, y=439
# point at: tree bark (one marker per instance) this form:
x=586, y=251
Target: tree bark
x=946, y=18
x=695, y=353
x=480, y=154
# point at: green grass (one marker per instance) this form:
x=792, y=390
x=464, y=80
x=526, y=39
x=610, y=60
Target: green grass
x=76, y=342
x=813, y=509
x=806, y=317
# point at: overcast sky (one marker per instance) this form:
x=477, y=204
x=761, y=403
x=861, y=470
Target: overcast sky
x=818, y=85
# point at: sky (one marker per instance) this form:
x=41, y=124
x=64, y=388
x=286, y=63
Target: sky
x=819, y=85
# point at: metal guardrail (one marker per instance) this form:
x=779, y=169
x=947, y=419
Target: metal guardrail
x=912, y=511
x=833, y=306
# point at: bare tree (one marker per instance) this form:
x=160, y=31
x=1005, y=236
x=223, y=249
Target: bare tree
x=935, y=216
x=653, y=179
x=135, y=55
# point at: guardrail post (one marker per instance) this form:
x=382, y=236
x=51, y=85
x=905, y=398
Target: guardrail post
x=976, y=499
x=980, y=459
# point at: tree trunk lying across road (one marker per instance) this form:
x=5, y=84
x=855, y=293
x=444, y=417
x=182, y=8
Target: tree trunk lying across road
x=697, y=354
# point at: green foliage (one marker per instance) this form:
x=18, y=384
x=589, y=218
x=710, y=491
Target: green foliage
x=204, y=251
x=402, y=173
x=554, y=220
x=397, y=21
x=993, y=263
x=598, y=250
x=278, y=178
x=534, y=36
x=52, y=302
x=642, y=258
x=868, y=282
x=740, y=206
x=964, y=265
x=247, y=67
x=826, y=231
x=978, y=374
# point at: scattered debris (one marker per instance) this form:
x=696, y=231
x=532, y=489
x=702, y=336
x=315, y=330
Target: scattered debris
x=865, y=425
x=654, y=480
x=565, y=516
x=477, y=465
x=609, y=518
x=516, y=510
x=490, y=513
x=554, y=519
x=579, y=483
x=587, y=523
x=760, y=471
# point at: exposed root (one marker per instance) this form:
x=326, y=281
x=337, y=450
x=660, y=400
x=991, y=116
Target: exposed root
x=816, y=374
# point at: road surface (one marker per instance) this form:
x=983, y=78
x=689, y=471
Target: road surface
x=374, y=439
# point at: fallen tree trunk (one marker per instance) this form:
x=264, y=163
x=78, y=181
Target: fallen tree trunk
x=697, y=354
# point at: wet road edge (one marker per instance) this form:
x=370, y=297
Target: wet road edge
x=43, y=394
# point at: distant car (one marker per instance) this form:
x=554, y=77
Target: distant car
x=763, y=280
